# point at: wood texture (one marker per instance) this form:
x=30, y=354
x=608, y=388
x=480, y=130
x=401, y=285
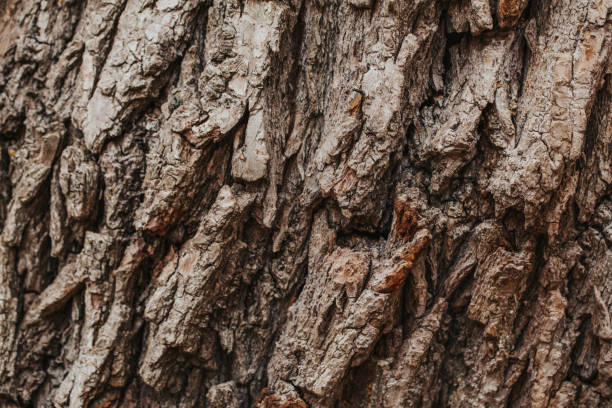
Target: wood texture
x=305, y=203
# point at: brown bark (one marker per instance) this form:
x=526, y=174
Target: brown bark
x=305, y=203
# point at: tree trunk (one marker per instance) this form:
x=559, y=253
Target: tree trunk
x=305, y=203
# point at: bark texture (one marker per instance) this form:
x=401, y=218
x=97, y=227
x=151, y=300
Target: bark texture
x=305, y=203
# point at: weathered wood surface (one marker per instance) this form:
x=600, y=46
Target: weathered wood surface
x=305, y=203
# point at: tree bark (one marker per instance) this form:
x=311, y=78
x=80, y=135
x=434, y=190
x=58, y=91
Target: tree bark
x=305, y=203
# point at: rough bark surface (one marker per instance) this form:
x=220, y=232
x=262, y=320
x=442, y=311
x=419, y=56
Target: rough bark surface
x=305, y=203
